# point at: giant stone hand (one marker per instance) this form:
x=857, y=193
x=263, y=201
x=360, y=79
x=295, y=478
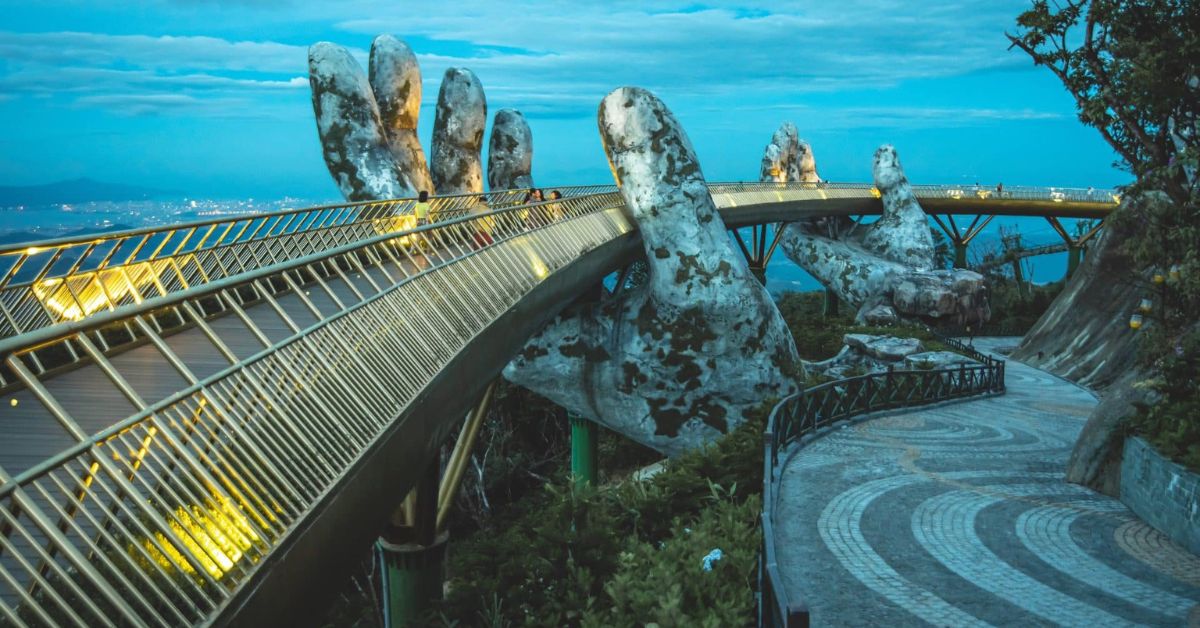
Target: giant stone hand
x=891, y=262
x=679, y=360
x=368, y=126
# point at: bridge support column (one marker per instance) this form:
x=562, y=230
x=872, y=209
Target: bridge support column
x=583, y=449
x=960, y=254
x=1074, y=255
x=412, y=555
x=831, y=303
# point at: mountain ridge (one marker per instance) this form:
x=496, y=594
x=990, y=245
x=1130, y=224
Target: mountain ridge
x=79, y=190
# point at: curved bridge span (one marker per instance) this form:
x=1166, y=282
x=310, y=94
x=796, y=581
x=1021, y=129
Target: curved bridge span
x=202, y=420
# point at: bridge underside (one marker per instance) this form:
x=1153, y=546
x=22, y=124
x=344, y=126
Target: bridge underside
x=320, y=554
x=785, y=211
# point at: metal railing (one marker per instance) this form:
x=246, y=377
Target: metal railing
x=68, y=279
x=822, y=406
x=207, y=416
x=157, y=515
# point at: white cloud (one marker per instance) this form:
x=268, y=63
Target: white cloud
x=551, y=58
x=168, y=53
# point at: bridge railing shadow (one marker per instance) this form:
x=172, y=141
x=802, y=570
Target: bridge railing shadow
x=801, y=417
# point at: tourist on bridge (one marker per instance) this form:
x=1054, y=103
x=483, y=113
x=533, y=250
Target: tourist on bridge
x=483, y=236
x=533, y=216
x=421, y=209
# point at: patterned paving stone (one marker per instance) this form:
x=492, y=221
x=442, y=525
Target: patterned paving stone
x=959, y=516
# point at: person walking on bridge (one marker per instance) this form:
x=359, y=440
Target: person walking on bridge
x=421, y=209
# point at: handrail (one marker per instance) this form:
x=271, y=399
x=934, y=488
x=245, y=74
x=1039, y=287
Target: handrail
x=157, y=517
x=50, y=281
x=83, y=277
x=820, y=406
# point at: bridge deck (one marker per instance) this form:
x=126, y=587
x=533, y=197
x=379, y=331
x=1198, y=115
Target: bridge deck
x=154, y=480
x=959, y=516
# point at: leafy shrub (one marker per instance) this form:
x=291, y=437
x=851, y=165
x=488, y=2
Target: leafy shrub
x=819, y=337
x=570, y=555
x=1173, y=425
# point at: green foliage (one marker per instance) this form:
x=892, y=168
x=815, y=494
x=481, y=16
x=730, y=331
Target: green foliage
x=1131, y=66
x=1173, y=425
x=819, y=337
x=647, y=586
x=1017, y=307
x=572, y=555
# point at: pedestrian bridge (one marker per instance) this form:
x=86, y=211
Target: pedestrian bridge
x=207, y=422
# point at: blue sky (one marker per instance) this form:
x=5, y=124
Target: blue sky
x=212, y=99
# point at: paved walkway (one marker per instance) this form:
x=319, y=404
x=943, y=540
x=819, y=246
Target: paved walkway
x=959, y=516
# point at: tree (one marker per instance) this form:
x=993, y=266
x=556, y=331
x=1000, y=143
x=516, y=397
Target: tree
x=1131, y=66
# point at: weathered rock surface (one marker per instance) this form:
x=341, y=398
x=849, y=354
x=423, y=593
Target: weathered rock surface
x=1095, y=461
x=458, y=134
x=350, y=127
x=864, y=353
x=788, y=158
x=880, y=315
x=961, y=295
x=678, y=360
x=396, y=82
x=890, y=263
x=1084, y=336
x=510, y=152
x=902, y=233
x=888, y=348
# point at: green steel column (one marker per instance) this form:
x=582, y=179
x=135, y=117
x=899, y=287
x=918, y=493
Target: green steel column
x=583, y=450
x=960, y=254
x=412, y=579
x=831, y=303
x=1074, y=254
x=412, y=555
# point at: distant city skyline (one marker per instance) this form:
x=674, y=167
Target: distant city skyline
x=212, y=98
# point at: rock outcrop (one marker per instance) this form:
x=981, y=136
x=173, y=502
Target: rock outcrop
x=865, y=353
x=1084, y=336
x=1095, y=461
x=890, y=262
x=510, y=152
x=887, y=348
x=458, y=134
x=678, y=360
x=396, y=82
x=350, y=127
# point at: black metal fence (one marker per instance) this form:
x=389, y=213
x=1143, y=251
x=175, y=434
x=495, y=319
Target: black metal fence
x=823, y=405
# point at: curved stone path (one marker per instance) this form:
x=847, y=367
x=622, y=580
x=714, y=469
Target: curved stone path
x=959, y=516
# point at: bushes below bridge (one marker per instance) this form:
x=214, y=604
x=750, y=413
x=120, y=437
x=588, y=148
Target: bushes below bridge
x=621, y=554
